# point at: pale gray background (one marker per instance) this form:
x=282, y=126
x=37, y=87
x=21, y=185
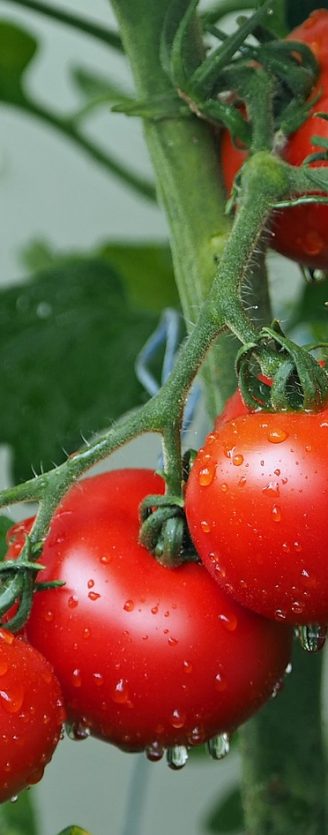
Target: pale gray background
x=52, y=191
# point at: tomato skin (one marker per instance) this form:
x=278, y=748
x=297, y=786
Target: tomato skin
x=31, y=714
x=256, y=505
x=299, y=232
x=144, y=653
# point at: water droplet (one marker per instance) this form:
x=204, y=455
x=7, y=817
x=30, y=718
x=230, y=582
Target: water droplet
x=224, y=487
x=14, y=798
x=277, y=436
x=220, y=682
x=228, y=621
x=187, y=666
x=178, y=718
x=271, y=489
x=128, y=606
x=93, y=595
x=288, y=669
x=308, y=448
x=49, y=616
x=120, y=694
x=277, y=471
x=280, y=614
x=12, y=700
x=154, y=752
x=205, y=526
x=219, y=746
x=91, y=584
x=312, y=637
x=86, y=633
x=77, y=731
x=276, y=689
x=172, y=642
x=242, y=481
x=73, y=601
x=276, y=513
x=154, y=610
x=105, y=559
x=76, y=678
x=206, y=475
x=98, y=679
x=297, y=607
x=177, y=756
x=237, y=459
x=7, y=637
x=196, y=736
x=297, y=547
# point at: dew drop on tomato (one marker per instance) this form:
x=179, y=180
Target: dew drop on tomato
x=12, y=700
x=154, y=752
x=277, y=436
x=206, y=476
x=178, y=719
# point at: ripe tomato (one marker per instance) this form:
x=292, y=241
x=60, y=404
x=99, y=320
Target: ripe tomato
x=146, y=655
x=31, y=714
x=299, y=232
x=256, y=504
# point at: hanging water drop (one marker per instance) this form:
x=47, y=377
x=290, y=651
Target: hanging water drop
x=77, y=731
x=312, y=637
x=14, y=798
x=177, y=756
x=219, y=746
x=154, y=752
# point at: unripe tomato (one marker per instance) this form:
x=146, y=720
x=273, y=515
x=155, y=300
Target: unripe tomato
x=147, y=656
x=256, y=504
x=299, y=232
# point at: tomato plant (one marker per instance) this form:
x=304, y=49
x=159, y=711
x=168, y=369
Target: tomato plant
x=299, y=232
x=31, y=714
x=147, y=656
x=255, y=503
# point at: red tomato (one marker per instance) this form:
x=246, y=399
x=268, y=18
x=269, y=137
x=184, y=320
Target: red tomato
x=31, y=714
x=146, y=655
x=256, y=504
x=299, y=232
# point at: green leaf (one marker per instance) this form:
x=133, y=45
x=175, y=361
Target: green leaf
x=227, y=815
x=19, y=818
x=298, y=10
x=312, y=306
x=17, y=48
x=146, y=271
x=92, y=85
x=68, y=342
x=5, y=524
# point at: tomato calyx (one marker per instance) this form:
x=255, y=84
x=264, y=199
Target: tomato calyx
x=298, y=384
x=18, y=584
x=164, y=530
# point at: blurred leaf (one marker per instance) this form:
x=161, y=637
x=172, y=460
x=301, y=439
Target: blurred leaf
x=68, y=342
x=312, y=309
x=227, y=815
x=93, y=85
x=17, y=49
x=146, y=271
x=74, y=830
x=299, y=10
x=19, y=818
x=5, y=524
x=37, y=255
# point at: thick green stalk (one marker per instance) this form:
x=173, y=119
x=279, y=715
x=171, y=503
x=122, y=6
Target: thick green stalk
x=185, y=158
x=283, y=759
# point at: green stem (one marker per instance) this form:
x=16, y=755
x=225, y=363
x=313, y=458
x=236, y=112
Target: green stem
x=64, y=126
x=283, y=758
x=103, y=34
x=225, y=7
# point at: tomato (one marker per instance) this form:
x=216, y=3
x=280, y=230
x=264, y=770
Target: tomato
x=31, y=714
x=147, y=656
x=299, y=232
x=256, y=504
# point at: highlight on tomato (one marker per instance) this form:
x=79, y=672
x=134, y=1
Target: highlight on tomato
x=148, y=657
x=31, y=714
x=298, y=232
x=256, y=505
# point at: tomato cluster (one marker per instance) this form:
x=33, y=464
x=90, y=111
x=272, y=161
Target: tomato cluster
x=299, y=232
x=147, y=657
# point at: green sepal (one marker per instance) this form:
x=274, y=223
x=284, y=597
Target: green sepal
x=174, y=41
x=229, y=116
x=156, y=108
x=205, y=76
x=255, y=393
x=300, y=383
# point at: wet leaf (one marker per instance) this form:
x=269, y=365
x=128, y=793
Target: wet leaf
x=19, y=818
